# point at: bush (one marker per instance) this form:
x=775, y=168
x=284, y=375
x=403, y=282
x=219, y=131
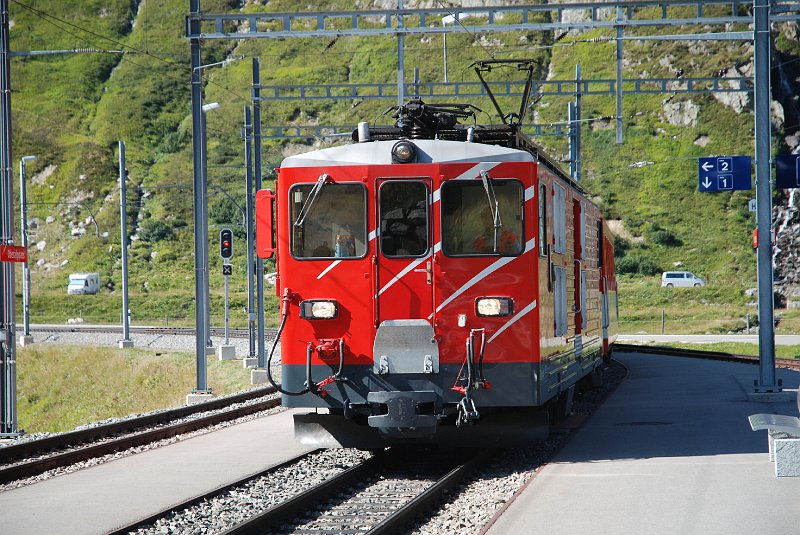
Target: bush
x=637, y=265
x=621, y=247
x=666, y=237
x=153, y=230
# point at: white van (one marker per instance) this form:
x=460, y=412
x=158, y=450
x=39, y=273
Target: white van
x=83, y=283
x=680, y=279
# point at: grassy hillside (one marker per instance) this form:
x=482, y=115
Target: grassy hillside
x=71, y=109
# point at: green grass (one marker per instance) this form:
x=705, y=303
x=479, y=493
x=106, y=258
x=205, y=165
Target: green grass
x=61, y=387
x=717, y=308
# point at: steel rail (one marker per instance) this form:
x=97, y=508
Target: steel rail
x=208, y=495
x=311, y=499
x=176, y=331
x=411, y=510
x=305, y=501
x=38, y=466
x=702, y=354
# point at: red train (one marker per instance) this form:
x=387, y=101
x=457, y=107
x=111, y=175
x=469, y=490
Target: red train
x=439, y=283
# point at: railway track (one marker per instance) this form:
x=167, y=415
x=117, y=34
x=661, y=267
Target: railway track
x=31, y=458
x=380, y=495
x=173, y=331
x=793, y=364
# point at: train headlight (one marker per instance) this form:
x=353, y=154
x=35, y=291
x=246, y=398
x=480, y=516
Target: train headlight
x=404, y=152
x=318, y=309
x=494, y=306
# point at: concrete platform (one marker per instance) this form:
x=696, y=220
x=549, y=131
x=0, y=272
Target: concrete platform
x=111, y=495
x=671, y=451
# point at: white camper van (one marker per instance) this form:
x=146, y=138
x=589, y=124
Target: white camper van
x=83, y=283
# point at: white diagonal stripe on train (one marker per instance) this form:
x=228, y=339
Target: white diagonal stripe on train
x=516, y=317
x=405, y=270
x=530, y=245
x=472, y=173
x=370, y=237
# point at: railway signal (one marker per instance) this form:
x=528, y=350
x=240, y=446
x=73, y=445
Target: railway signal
x=226, y=243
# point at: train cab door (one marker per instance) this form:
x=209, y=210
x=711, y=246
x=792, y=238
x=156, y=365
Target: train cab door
x=404, y=264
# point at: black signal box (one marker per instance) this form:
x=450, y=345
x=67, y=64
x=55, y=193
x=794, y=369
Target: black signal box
x=226, y=269
x=226, y=243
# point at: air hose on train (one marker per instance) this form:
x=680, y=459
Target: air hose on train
x=284, y=316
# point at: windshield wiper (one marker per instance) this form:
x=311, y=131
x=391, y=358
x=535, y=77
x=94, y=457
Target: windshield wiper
x=494, y=206
x=312, y=196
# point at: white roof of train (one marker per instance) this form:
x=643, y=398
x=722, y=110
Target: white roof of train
x=428, y=151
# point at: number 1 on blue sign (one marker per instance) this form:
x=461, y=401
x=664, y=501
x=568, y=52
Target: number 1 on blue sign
x=724, y=182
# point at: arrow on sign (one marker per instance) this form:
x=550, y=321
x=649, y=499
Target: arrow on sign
x=706, y=183
x=706, y=166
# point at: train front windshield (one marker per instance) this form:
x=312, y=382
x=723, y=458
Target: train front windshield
x=473, y=225
x=330, y=222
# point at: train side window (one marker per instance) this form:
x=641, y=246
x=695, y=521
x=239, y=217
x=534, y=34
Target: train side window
x=334, y=222
x=403, y=218
x=600, y=251
x=560, y=300
x=468, y=228
x=584, y=312
x=543, y=219
x=582, y=229
x=559, y=218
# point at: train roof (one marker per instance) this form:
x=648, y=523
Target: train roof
x=428, y=151
x=439, y=137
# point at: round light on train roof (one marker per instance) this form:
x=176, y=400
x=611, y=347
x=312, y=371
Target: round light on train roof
x=404, y=152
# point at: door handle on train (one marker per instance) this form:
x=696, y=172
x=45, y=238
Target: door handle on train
x=428, y=270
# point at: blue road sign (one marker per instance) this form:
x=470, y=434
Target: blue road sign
x=724, y=173
x=787, y=171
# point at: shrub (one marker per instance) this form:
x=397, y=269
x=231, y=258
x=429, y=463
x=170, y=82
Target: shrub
x=153, y=230
x=666, y=237
x=637, y=265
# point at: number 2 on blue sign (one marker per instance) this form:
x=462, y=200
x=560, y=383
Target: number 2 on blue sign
x=724, y=165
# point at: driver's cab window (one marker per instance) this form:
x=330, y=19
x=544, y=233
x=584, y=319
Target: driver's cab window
x=482, y=220
x=403, y=218
x=328, y=220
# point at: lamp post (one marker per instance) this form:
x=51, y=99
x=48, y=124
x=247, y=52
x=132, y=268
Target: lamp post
x=26, y=337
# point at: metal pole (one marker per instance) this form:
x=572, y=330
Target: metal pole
x=8, y=343
x=123, y=225
x=619, y=77
x=400, y=57
x=766, y=325
x=445, y=52
x=23, y=225
x=578, y=125
x=206, y=293
x=226, y=309
x=572, y=140
x=200, y=234
x=248, y=159
x=256, y=94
